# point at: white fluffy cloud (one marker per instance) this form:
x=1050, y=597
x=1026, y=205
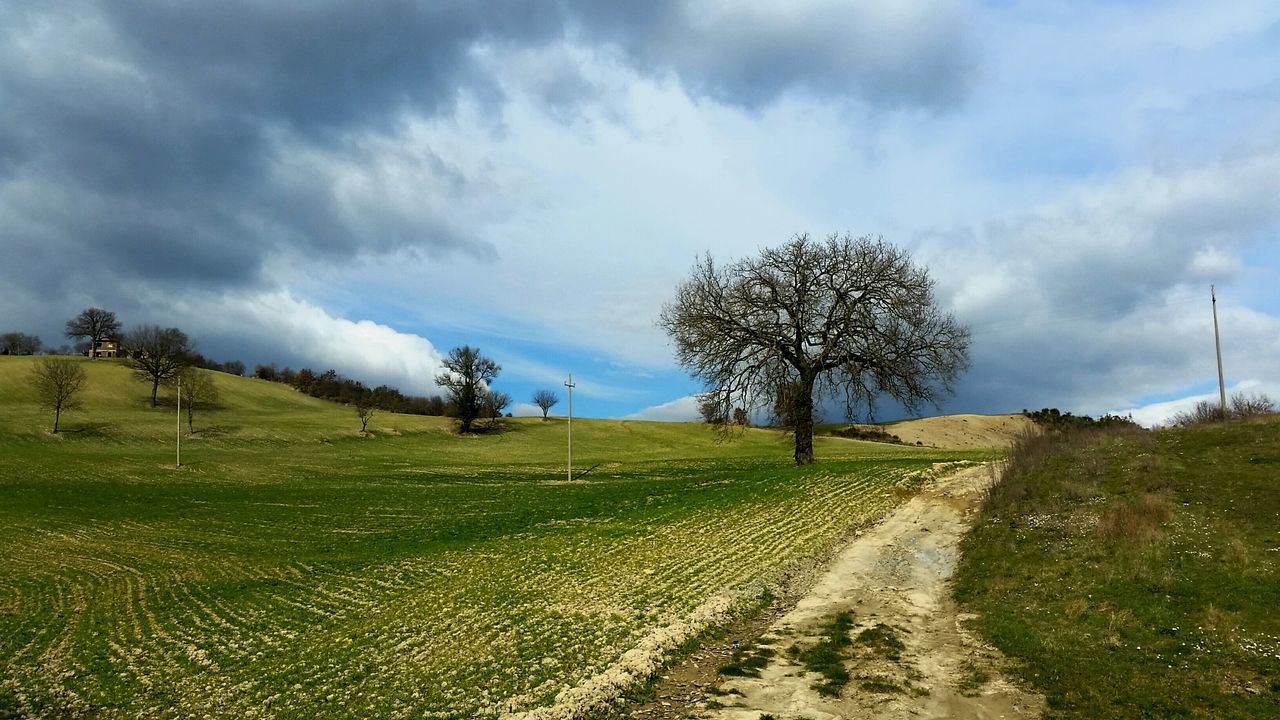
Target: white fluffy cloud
x=1159, y=413
x=366, y=350
x=683, y=409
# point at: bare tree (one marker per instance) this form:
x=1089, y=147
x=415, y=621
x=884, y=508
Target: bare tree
x=93, y=325
x=495, y=402
x=16, y=343
x=197, y=390
x=57, y=382
x=364, y=411
x=545, y=400
x=846, y=318
x=157, y=353
x=465, y=380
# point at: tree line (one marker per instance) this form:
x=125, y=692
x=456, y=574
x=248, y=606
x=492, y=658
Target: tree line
x=333, y=386
x=166, y=356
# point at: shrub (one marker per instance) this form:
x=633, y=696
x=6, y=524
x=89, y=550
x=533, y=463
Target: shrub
x=1240, y=407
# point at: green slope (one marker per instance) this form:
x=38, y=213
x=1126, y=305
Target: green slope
x=1136, y=574
x=294, y=568
x=254, y=412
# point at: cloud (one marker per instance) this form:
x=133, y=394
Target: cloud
x=1100, y=297
x=368, y=351
x=683, y=409
x=1159, y=413
x=750, y=54
x=524, y=409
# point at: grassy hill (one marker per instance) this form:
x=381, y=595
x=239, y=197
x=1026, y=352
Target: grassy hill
x=294, y=568
x=1136, y=574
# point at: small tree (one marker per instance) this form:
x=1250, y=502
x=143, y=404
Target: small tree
x=465, y=380
x=848, y=318
x=197, y=390
x=157, y=354
x=57, y=382
x=545, y=400
x=93, y=325
x=495, y=402
x=364, y=411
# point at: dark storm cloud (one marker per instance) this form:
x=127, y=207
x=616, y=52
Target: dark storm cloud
x=185, y=144
x=751, y=54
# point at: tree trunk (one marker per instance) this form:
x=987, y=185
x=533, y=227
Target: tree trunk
x=57, y=412
x=803, y=417
x=155, y=386
x=191, y=430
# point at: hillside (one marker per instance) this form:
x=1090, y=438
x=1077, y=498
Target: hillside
x=1135, y=573
x=252, y=412
x=958, y=432
x=293, y=568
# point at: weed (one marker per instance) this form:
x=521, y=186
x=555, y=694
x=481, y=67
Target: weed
x=827, y=656
x=748, y=661
x=972, y=679
x=884, y=639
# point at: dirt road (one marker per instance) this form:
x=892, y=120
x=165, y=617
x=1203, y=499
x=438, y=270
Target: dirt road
x=918, y=661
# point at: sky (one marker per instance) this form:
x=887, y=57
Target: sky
x=364, y=186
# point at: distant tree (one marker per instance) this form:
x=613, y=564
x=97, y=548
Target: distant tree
x=545, y=400
x=495, y=402
x=740, y=417
x=465, y=379
x=197, y=390
x=16, y=343
x=93, y=325
x=57, y=382
x=157, y=353
x=233, y=367
x=849, y=318
x=364, y=411
x=710, y=410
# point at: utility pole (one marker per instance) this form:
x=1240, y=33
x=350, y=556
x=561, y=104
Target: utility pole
x=1217, y=345
x=571, y=386
x=179, y=422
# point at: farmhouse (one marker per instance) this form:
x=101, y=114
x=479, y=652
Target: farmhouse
x=107, y=348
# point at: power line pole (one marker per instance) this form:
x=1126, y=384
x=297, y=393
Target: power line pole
x=1217, y=344
x=571, y=386
x=179, y=422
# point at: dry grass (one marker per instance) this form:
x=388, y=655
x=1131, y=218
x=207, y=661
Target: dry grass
x=1137, y=521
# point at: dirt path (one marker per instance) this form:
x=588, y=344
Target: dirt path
x=894, y=580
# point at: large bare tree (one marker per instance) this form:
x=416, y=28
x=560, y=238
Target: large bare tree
x=465, y=379
x=94, y=325
x=58, y=382
x=845, y=318
x=545, y=400
x=157, y=353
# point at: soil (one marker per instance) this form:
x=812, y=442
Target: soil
x=895, y=579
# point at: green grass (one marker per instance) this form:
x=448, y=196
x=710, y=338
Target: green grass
x=294, y=568
x=826, y=657
x=1137, y=575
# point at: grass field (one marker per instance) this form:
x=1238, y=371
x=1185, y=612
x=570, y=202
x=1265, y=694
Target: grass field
x=294, y=568
x=1137, y=574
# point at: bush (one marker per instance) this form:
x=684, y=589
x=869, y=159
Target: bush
x=1240, y=407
